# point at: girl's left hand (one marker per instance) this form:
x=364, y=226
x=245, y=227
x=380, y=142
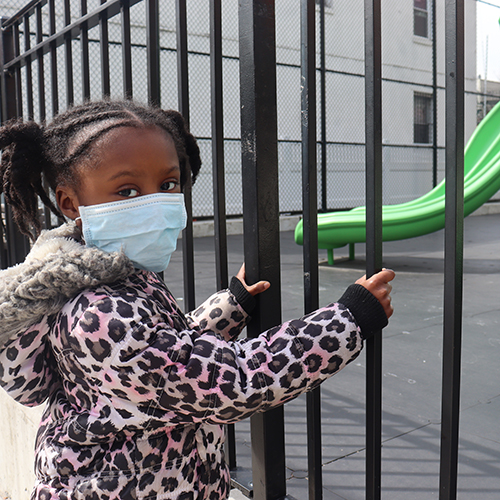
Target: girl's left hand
x=254, y=289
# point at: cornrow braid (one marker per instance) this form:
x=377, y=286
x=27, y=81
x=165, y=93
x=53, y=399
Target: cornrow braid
x=59, y=147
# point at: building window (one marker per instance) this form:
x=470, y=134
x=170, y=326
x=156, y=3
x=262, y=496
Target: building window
x=420, y=18
x=422, y=118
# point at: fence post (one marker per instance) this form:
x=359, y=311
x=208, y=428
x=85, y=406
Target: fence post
x=17, y=245
x=183, y=99
x=310, y=213
x=373, y=138
x=453, y=248
x=153, y=49
x=261, y=218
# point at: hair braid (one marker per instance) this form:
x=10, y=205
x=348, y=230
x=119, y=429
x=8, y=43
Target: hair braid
x=21, y=167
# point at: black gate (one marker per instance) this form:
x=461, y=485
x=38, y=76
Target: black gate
x=31, y=43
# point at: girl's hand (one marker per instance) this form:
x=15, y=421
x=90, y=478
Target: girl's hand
x=254, y=289
x=379, y=286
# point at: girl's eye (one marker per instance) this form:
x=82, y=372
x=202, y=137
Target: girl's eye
x=128, y=192
x=169, y=185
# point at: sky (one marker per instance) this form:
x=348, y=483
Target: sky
x=488, y=35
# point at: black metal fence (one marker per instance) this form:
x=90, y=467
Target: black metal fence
x=37, y=42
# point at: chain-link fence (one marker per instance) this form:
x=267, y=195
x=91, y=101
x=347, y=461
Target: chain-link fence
x=413, y=92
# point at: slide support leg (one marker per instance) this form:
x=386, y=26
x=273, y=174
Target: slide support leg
x=330, y=257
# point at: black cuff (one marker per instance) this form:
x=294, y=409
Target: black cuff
x=366, y=309
x=245, y=299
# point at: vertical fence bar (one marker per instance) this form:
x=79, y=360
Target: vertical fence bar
x=126, y=50
x=218, y=165
x=29, y=69
x=183, y=93
x=41, y=92
x=9, y=108
x=310, y=214
x=41, y=68
x=104, y=51
x=257, y=42
x=373, y=128
x=322, y=52
x=53, y=60
x=84, y=48
x=7, y=79
x=68, y=63
x=434, y=98
x=17, y=244
x=17, y=72
x=453, y=248
x=153, y=51
x=218, y=172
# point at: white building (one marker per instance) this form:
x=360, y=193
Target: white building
x=407, y=92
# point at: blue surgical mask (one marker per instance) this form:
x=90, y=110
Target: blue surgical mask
x=145, y=228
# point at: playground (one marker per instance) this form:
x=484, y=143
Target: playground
x=285, y=135
x=412, y=366
x=425, y=214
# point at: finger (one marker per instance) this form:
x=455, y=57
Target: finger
x=361, y=280
x=258, y=287
x=386, y=274
x=241, y=273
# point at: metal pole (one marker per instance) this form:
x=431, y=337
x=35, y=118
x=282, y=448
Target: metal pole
x=68, y=55
x=310, y=213
x=183, y=93
x=324, y=179
x=53, y=60
x=373, y=119
x=261, y=218
x=153, y=51
x=218, y=170
x=104, y=50
x=434, y=98
x=17, y=244
x=41, y=70
x=29, y=69
x=126, y=50
x=453, y=249
x=84, y=44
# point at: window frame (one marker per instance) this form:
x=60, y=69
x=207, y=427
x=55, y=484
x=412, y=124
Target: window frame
x=419, y=12
x=422, y=126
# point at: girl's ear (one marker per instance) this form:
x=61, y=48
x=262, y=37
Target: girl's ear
x=67, y=200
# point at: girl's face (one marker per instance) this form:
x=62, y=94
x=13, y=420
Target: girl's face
x=126, y=162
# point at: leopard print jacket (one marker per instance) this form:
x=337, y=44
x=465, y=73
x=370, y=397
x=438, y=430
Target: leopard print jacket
x=137, y=391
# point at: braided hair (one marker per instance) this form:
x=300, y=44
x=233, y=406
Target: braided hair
x=33, y=152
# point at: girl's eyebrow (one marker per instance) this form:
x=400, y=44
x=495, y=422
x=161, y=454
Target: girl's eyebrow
x=135, y=173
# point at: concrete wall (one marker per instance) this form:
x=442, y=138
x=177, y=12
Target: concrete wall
x=17, y=440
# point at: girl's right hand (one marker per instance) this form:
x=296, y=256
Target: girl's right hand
x=379, y=286
x=259, y=287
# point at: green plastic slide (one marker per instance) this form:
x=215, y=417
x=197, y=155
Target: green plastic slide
x=425, y=214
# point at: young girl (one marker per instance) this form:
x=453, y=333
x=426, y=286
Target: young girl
x=138, y=392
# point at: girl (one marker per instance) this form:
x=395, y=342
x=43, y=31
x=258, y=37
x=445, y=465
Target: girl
x=138, y=392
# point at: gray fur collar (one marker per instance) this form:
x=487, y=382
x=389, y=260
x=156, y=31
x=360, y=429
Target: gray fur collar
x=57, y=268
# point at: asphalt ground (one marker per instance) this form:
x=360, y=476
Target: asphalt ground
x=412, y=368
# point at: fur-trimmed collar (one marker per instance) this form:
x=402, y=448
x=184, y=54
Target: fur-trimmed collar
x=58, y=267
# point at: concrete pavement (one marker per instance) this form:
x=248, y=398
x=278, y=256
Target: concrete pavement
x=412, y=366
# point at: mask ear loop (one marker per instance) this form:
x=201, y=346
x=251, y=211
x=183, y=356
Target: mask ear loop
x=79, y=223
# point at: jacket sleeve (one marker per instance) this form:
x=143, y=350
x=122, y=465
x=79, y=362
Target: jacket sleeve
x=221, y=313
x=27, y=368
x=147, y=370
